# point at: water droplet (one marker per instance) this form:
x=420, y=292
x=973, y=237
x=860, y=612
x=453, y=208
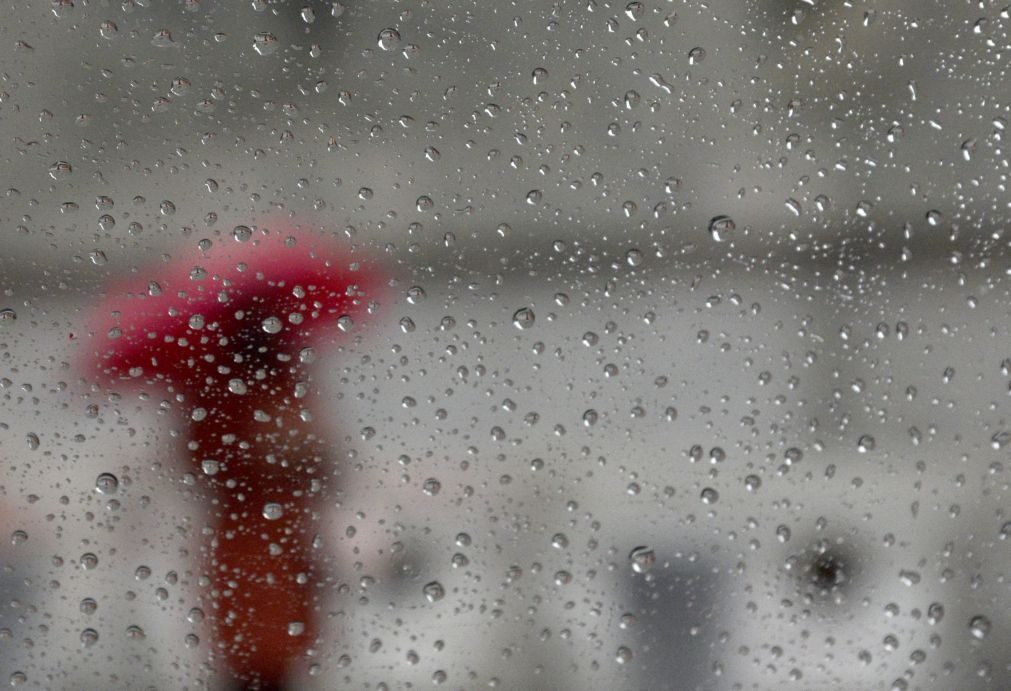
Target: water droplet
x=272, y=325
x=709, y=496
x=7, y=316
x=642, y=559
x=434, y=591
x=345, y=323
x=866, y=443
x=388, y=39
x=272, y=511
x=60, y=170
x=721, y=228
x=265, y=43
x=237, y=386
x=108, y=29
x=162, y=39
x=106, y=483
x=979, y=627
x=523, y=318
x=89, y=637
x=242, y=233
x=415, y=294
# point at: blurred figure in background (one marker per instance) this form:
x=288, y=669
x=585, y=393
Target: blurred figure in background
x=229, y=333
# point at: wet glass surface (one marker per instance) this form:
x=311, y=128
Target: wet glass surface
x=527, y=345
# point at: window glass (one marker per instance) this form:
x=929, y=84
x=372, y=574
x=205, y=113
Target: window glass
x=521, y=345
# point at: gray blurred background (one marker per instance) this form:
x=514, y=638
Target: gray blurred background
x=803, y=416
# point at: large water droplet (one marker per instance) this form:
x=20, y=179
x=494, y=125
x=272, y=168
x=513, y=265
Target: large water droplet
x=388, y=39
x=979, y=627
x=272, y=325
x=523, y=318
x=721, y=228
x=434, y=591
x=106, y=483
x=265, y=43
x=60, y=170
x=642, y=559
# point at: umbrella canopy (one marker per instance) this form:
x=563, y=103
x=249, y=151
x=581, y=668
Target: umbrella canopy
x=188, y=322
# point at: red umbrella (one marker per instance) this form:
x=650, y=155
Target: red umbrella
x=228, y=331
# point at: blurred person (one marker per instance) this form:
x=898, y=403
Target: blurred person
x=229, y=332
